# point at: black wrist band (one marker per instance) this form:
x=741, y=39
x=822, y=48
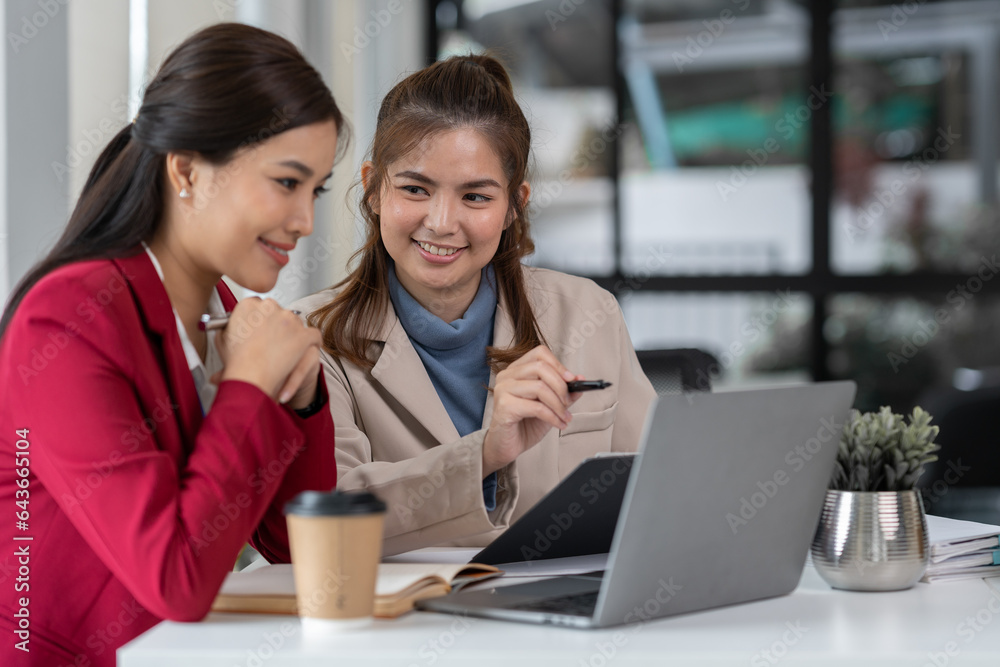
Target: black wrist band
x=318, y=404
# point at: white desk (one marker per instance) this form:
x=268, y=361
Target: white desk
x=913, y=628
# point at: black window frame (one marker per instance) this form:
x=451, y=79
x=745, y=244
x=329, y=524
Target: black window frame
x=820, y=283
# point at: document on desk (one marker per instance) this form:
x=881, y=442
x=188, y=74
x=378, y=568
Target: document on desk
x=961, y=550
x=952, y=537
x=549, y=567
x=434, y=555
x=553, y=567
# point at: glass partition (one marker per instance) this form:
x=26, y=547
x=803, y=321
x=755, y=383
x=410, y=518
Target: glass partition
x=714, y=153
x=916, y=141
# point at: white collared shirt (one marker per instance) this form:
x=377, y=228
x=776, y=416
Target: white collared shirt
x=200, y=372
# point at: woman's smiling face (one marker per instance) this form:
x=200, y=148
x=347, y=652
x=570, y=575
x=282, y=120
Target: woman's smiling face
x=441, y=215
x=247, y=214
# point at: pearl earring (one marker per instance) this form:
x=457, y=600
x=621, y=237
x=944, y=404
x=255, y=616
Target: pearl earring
x=184, y=194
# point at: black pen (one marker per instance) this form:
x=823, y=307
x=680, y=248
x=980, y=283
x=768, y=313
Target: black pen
x=213, y=322
x=586, y=385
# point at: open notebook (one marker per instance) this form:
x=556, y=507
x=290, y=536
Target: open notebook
x=271, y=589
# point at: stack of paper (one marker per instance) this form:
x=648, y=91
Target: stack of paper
x=961, y=549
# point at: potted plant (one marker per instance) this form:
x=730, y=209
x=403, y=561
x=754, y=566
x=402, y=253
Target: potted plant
x=872, y=533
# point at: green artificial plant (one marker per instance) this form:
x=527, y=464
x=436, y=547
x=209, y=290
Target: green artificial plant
x=880, y=452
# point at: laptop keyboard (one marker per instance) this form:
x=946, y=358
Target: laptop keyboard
x=577, y=604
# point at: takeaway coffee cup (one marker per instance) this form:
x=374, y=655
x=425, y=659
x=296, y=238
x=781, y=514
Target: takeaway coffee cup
x=336, y=543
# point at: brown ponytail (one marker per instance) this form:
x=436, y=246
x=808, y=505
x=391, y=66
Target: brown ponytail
x=472, y=91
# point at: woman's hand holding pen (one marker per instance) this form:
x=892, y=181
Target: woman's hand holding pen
x=270, y=347
x=529, y=398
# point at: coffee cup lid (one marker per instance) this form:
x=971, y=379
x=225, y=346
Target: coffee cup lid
x=334, y=503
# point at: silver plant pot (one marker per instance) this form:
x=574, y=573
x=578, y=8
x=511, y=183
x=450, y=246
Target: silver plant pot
x=871, y=540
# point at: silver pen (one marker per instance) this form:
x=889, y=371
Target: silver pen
x=213, y=322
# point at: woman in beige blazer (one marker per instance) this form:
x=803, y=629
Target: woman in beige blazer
x=446, y=358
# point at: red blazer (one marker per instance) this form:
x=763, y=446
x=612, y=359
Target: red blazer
x=136, y=504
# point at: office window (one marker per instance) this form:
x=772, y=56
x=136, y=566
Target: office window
x=844, y=151
x=751, y=334
x=557, y=56
x=916, y=143
x=896, y=348
x=714, y=150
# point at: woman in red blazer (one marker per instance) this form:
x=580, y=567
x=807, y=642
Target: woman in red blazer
x=140, y=452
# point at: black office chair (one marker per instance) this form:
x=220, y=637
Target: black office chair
x=679, y=370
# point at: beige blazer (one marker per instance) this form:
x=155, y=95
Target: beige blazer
x=395, y=438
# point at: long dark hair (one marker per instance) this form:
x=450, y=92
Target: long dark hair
x=226, y=87
x=471, y=91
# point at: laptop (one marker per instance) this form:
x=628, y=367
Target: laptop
x=720, y=508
